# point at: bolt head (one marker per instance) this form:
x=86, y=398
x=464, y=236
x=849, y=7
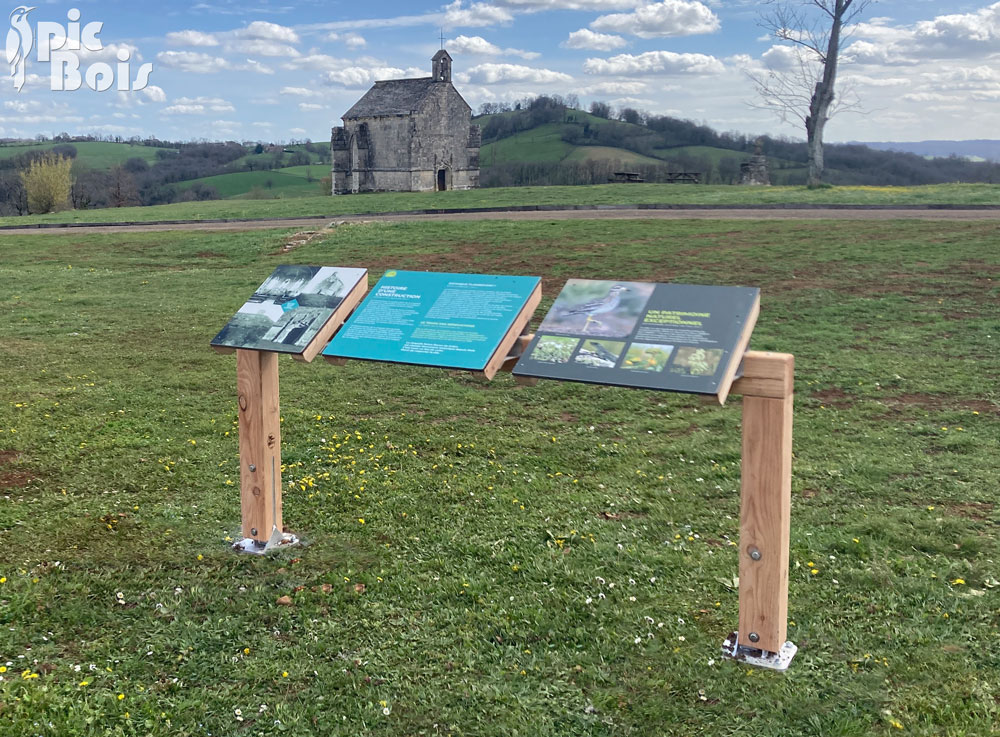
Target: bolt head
x=754, y=637
x=252, y=468
x=755, y=554
x=253, y=531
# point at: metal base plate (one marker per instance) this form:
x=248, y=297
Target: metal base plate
x=255, y=547
x=759, y=658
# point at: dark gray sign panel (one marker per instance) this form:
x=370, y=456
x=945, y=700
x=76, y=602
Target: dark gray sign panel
x=673, y=337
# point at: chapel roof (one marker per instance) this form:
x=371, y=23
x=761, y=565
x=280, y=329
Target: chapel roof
x=392, y=97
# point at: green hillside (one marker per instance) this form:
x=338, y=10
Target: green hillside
x=543, y=143
x=89, y=154
x=609, y=153
x=289, y=182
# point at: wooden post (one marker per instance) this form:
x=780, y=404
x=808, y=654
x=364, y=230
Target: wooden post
x=765, y=498
x=260, y=443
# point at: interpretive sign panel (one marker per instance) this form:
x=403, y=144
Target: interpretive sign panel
x=435, y=319
x=675, y=337
x=290, y=308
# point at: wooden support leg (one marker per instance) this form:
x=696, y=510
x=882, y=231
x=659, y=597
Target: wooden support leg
x=765, y=512
x=260, y=444
x=765, y=501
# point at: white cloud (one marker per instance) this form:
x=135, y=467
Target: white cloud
x=867, y=52
x=952, y=36
x=196, y=62
x=297, y=131
x=352, y=41
x=479, y=46
x=199, y=106
x=477, y=14
x=191, y=38
x=154, y=93
x=262, y=47
x=319, y=62
x=505, y=73
x=192, y=62
x=256, y=66
x=615, y=88
x=533, y=5
x=785, y=58
x=360, y=77
x=264, y=31
x=655, y=62
x=927, y=97
x=310, y=106
x=663, y=19
x=587, y=39
x=301, y=92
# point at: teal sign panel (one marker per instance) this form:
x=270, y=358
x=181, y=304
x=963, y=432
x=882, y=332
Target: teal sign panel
x=434, y=319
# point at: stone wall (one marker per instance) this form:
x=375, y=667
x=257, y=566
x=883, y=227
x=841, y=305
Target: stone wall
x=405, y=152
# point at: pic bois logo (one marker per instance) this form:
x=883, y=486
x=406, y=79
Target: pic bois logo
x=74, y=52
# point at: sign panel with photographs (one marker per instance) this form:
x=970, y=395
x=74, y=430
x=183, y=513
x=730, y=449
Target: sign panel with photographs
x=434, y=319
x=675, y=337
x=289, y=309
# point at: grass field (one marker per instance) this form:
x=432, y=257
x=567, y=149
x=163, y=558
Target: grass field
x=483, y=558
x=90, y=154
x=287, y=182
x=602, y=194
x=541, y=144
x=607, y=153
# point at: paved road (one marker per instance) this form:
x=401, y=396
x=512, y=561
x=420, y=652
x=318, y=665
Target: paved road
x=699, y=214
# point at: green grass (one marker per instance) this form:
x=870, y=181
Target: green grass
x=541, y=144
x=602, y=194
x=609, y=153
x=290, y=182
x=90, y=154
x=554, y=560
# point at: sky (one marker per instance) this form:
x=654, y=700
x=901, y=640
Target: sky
x=281, y=71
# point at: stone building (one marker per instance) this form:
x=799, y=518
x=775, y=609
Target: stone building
x=754, y=172
x=408, y=135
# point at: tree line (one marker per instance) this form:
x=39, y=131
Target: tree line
x=657, y=135
x=45, y=181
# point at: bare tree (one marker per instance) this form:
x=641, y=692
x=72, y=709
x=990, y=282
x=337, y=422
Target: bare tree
x=805, y=90
x=122, y=191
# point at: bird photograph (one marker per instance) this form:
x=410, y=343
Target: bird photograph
x=598, y=308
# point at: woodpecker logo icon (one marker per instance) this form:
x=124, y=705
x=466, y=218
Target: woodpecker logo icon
x=65, y=48
x=20, y=40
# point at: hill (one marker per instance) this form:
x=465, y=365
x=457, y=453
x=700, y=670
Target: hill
x=89, y=154
x=975, y=150
x=544, y=141
x=295, y=181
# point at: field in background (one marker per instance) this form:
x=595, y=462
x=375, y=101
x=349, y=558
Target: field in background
x=601, y=194
x=483, y=558
x=291, y=181
x=90, y=154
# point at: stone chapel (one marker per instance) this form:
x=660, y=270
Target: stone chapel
x=408, y=135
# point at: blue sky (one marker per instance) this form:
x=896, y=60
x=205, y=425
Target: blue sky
x=279, y=71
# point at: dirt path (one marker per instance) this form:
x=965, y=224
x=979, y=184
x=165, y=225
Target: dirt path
x=623, y=214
